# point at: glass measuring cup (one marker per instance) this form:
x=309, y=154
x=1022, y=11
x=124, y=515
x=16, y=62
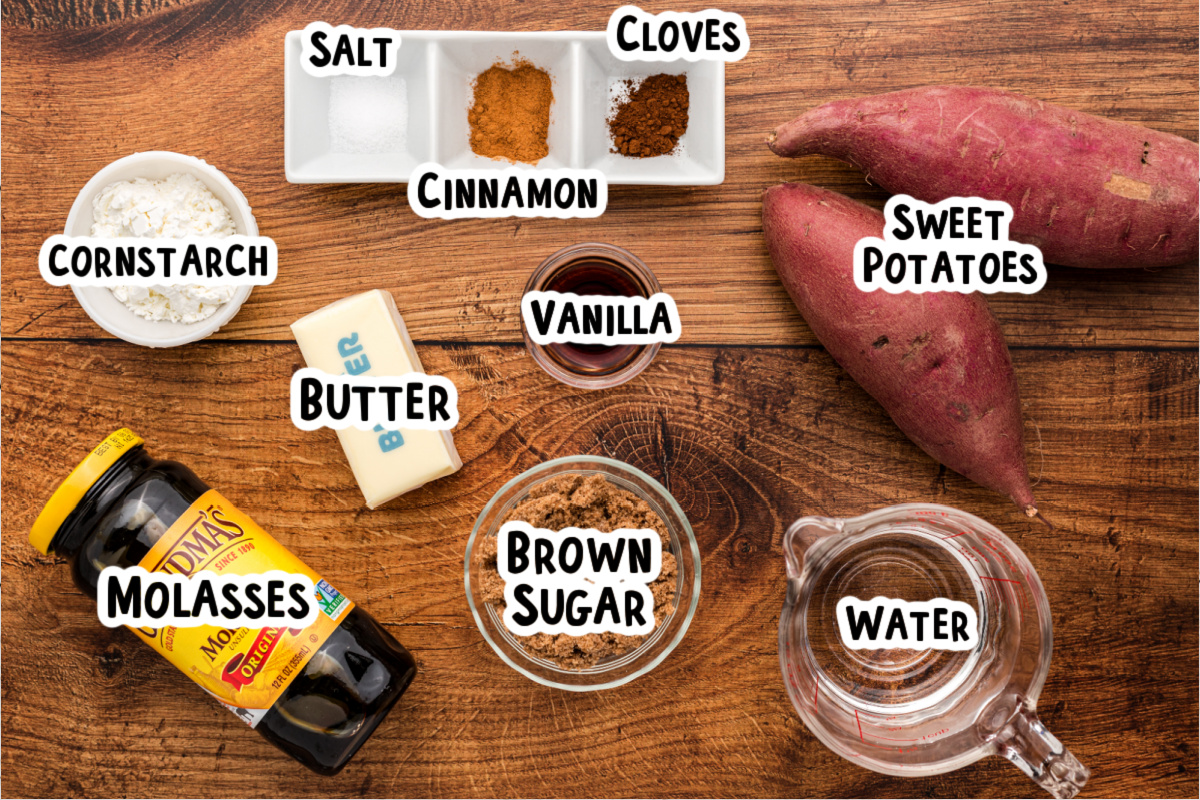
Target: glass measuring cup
x=911, y=712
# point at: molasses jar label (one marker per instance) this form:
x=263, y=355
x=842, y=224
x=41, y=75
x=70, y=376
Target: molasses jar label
x=245, y=669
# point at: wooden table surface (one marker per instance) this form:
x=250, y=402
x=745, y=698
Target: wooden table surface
x=747, y=419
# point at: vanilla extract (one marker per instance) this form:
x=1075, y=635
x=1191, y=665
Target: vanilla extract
x=585, y=347
x=594, y=275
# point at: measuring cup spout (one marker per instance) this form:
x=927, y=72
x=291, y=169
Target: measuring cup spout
x=801, y=536
x=1040, y=755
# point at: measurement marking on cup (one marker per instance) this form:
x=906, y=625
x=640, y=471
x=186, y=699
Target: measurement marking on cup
x=1020, y=597
x=879, y=737
x=891, y=739
x=1000, y=551
x=844, y=751
x=927, y=737
x=955, y=536
x=816, y=692
x=969, y=553
x=878, y=716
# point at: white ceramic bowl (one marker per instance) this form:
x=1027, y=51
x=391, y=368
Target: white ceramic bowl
x=438, y=68
x=110, y=313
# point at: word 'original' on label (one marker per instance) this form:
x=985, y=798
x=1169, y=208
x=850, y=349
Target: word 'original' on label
x=578, y=581
x=326, y=51
x=557, y=317
x=712, y=35
x=137, y=598
x=958, y=245
x=437, y=193
x=880, y=623
x=415, y=401
x=137, y=261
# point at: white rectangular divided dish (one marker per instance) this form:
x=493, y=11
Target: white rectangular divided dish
x=438, y=69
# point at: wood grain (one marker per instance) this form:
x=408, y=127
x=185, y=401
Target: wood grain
x=747, y=439
x=208, y=82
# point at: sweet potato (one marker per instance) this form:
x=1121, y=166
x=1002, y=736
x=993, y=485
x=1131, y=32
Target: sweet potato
x=936, y=362
x=1088, y=191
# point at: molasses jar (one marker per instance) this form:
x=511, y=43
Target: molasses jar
x=317, y=693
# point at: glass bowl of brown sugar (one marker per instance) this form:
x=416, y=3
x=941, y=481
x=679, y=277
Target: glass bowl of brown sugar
x=586, y=492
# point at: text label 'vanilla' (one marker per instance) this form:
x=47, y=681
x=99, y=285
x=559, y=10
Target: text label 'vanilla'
x=557, y=318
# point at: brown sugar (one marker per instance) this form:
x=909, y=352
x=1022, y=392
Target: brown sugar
x=510, y=114
x=583, y=502
x=650, y=122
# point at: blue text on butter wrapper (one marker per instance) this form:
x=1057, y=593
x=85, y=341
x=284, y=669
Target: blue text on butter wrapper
x=349, y=349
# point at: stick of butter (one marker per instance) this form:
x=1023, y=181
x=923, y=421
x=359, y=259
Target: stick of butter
x=364, y=335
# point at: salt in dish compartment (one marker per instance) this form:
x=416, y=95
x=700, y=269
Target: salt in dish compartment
x=309, y=151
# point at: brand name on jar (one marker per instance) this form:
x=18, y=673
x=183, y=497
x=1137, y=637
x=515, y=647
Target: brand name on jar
x=555, y=318
x=879, y=623
x=208, y=542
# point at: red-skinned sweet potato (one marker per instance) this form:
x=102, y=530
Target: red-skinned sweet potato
x=937, y=362
x=1088, y=191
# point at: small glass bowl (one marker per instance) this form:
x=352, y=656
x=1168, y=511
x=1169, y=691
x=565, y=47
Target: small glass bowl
x=616, y=670
x=634, y=270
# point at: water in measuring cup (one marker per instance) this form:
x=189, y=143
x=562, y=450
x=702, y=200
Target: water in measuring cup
x=911, y=565
x=910, y=711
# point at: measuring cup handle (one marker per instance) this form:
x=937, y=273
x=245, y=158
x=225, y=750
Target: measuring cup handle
x=803, y=534
x=1040, y=755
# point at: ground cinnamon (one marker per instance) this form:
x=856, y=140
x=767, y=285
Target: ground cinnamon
x=510, y=115
x=650, y=122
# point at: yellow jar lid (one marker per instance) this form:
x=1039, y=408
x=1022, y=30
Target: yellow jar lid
x=67, y=496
